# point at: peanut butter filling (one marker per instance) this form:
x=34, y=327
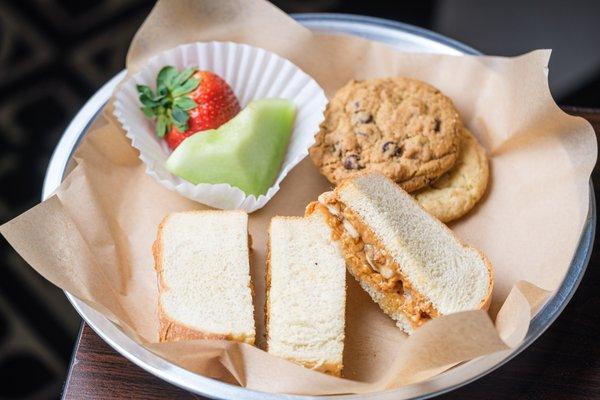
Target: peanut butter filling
x=368, y=261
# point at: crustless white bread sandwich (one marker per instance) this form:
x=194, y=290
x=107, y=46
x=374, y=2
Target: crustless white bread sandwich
x=306, y=294
x=410, y=263
x=201, y=258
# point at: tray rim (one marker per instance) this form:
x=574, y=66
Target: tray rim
x=78, y=127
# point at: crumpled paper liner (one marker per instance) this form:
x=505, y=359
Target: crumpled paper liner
x=253, y=74
x=93, y=237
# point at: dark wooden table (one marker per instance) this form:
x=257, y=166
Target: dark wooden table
x=564, y=363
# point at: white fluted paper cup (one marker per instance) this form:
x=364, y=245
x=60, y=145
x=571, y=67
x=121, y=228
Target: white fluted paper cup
x=253, y=74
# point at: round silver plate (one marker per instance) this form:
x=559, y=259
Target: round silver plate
x=403, y=37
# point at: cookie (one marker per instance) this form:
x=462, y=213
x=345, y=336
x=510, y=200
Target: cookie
x=403, y=128
x=458, y=190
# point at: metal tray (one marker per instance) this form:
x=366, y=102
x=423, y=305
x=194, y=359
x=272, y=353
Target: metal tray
x=403, y=37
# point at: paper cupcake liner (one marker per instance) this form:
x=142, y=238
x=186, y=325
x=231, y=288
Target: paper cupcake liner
x=253, y=74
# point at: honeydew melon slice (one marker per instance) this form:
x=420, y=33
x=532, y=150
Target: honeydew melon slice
x=245, y=152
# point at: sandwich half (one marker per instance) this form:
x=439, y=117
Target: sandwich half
x=201, y=259
x=306, y=294
x=410, y=263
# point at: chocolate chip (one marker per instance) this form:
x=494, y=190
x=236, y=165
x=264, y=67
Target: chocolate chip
x=391, y=149
x=362, y=117
x=336, y=149
x=351, y=162
x=436, y=127
x=356, y=105
x=399, y=287
x=399, y=151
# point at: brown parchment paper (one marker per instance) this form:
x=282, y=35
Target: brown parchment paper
x=93, y=237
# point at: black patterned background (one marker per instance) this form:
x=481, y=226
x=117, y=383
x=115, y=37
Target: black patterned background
x=54, y=54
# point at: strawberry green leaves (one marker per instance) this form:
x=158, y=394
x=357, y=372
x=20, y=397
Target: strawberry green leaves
x=185, y=75
x=161, y=125
x=185, y=103
x=165, y=77
x=170, y=104
x=179, y=118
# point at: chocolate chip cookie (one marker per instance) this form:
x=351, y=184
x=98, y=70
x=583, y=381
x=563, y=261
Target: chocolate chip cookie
x=403, y=128
x=458, y=190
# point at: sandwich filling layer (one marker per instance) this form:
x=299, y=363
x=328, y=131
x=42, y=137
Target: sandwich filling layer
x=369, y=263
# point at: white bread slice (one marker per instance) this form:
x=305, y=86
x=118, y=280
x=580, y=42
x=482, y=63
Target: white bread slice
x=201, y=258
x=435, y=270
x=306, y=294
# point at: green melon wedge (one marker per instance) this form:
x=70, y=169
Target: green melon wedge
x=245, y=152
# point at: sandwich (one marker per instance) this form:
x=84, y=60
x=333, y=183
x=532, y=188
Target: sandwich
x=201, y=259
x=306, y=294
x=410, y=263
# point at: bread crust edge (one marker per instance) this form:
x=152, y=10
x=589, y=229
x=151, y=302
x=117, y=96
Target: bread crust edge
x=169, y=329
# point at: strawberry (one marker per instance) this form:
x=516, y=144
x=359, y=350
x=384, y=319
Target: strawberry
x=187, y=102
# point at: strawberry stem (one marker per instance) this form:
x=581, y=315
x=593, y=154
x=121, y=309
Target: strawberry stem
x=170, y=104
